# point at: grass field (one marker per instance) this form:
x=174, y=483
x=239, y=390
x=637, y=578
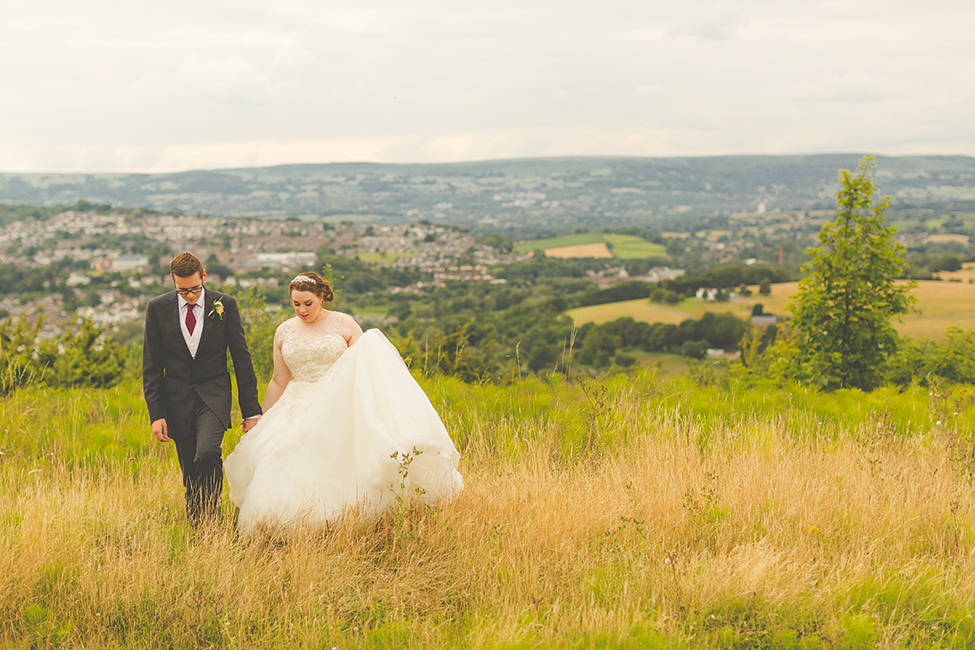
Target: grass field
x=640, y=310
x=580, y=250
x=559, y=242
x=943, y=239
x=629, y=247
x=622, y=513
x=622, y=246
x=941, y=305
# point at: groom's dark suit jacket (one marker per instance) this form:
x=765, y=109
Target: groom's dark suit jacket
x=172, y=378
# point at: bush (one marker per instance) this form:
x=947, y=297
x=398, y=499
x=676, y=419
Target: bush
x=79, y=356
x=694, y=349
x=622, y=291
x=624, y=360
x=16, y=353
x=925, y=361
x=947, y=262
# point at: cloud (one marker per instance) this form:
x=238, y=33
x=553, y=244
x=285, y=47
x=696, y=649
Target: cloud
x=230, y=79
x=720, y=27
x=113, y=85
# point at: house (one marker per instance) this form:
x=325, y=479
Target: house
x=764, y=320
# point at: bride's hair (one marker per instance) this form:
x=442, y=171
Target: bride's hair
x=311, y=281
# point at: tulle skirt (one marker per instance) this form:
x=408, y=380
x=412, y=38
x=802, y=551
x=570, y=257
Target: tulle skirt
x=350, y=443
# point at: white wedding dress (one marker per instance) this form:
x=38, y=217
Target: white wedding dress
x=336, y=441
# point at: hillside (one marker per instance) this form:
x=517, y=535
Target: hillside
x=546, y=193
x=615, y=513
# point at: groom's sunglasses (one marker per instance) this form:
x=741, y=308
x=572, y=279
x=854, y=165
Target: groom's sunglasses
x=189, y=292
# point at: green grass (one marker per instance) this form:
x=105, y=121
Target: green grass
x=628, y=247
x=625, y=247
x=612, y=512
x=559, y=242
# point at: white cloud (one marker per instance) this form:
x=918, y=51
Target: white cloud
x=113, y=85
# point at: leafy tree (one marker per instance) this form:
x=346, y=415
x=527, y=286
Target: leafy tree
x=17, y=353
x=842, y=313
x=925, y=361
x=765, y=287
x=947, y=262
x=80, y=356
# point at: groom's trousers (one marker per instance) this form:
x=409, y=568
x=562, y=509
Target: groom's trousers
x=201, y=461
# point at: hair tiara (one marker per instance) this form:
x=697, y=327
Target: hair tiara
x=305, y=278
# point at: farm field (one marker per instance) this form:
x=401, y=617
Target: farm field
x=559, y=242
x=639, y=310
x=582, y=250
x=941, y=305
x=595, y=245
x=656, y=515
x=629, y=247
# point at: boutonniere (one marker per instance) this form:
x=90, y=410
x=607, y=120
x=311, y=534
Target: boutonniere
x=216, y=311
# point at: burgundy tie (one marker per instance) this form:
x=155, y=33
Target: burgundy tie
x=190, y=319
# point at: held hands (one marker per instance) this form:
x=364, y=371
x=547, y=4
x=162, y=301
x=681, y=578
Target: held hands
x=160, y=430
x=249, y=424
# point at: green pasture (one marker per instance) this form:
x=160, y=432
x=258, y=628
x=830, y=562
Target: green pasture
x=626, y=247
x=630, y=247
x=614, y=512
x=559, y=242
x=940, y=305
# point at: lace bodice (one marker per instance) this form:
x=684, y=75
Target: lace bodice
x=309, y=358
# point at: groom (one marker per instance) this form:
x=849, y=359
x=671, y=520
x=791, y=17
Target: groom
x=186, y=382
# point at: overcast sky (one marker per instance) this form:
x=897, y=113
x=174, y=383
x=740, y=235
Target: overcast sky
x=155, y=86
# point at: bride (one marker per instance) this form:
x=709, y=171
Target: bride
x=345, y=428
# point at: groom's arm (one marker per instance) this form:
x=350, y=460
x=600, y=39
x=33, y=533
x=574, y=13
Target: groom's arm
x=153, y=367
x=250, y=405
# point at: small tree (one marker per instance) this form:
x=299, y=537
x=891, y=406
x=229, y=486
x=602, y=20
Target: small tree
x=841, y=315
x=765, y=287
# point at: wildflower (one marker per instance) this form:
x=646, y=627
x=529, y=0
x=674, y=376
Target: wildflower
x=814, y=529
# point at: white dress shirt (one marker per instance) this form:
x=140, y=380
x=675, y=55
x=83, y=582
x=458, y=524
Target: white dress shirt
x=192, y=340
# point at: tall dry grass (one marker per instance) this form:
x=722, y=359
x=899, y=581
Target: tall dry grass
x=657, y=527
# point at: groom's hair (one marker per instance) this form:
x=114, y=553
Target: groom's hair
x=186, y=264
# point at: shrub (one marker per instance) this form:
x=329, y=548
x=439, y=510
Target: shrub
x=80, y=355
x=694, y=349
x=924, y=361
x=624, y=360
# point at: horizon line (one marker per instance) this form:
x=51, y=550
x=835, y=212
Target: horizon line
x=479, y=160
